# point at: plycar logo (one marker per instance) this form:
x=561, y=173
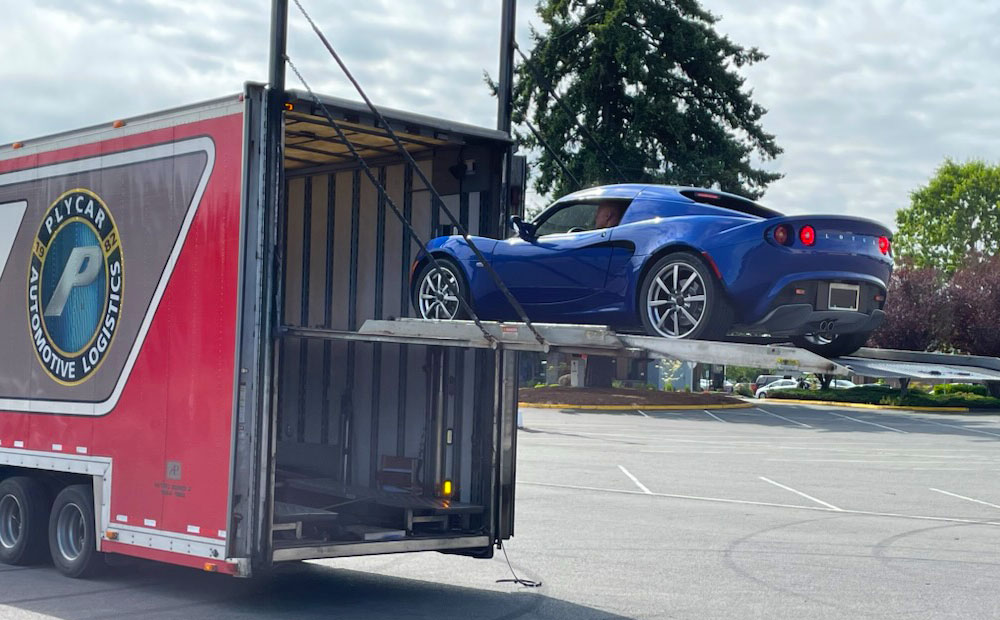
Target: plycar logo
x=75, y=282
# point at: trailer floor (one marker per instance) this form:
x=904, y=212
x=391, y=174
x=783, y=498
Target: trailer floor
x=773, y=512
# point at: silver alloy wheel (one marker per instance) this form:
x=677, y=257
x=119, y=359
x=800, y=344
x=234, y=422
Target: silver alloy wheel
x=71, y=531
x=676, y=302
x=11, y=521
x=438, y=294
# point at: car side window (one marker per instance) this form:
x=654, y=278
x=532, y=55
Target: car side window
x=571, y=218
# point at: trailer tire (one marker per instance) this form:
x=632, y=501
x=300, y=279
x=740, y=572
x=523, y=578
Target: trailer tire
x=73, y=534
x=24, y=511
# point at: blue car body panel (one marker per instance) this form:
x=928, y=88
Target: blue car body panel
x=594, y=276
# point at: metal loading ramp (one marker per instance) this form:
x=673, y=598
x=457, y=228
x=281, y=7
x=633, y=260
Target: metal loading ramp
x=580, y=339
x=600, y=340
x=890, y=364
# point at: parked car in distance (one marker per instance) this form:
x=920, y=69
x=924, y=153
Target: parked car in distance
x=780, y=384
x=842, y=384
x=765, y=380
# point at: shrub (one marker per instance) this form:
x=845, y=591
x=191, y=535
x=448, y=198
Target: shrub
x=892, y=397
x=917, y=311
x=974, y=295
x=967, y=388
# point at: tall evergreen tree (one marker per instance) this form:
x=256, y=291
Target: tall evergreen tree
x=655, y=85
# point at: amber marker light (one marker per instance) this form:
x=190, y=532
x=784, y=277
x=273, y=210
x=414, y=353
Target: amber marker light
x=446, y=488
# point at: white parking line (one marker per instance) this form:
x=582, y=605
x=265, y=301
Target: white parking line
x=715, y=416
x=642, y=413
x=847, y=417
x=743, y=502
x=971, y=499
x=782, y=417
x=961, y=428
x=635, y=480
x=800, y=493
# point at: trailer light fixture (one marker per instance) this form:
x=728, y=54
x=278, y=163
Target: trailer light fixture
x=289, y=107
x=17, y=145
x=807, y=235
x=446, y=488
x=211, y=568
x=800, y=291
x=118, y=124
x=880, y=298
x=884, y=245
x=111, y=535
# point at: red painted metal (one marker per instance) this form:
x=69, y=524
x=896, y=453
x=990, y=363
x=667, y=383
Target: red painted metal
x=178, y=401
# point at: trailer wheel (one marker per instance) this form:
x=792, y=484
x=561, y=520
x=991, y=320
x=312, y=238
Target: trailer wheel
x=73, y=534
x=24, y=506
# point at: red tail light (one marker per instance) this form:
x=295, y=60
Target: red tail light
x=807, y=235
x=884, y=245
x=782, y=234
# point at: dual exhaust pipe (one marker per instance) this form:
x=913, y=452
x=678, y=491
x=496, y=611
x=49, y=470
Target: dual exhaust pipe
x=826, y=326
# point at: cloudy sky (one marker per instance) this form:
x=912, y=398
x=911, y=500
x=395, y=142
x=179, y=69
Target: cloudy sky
x=866, y=96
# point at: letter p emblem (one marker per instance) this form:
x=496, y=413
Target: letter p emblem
x=82, y=268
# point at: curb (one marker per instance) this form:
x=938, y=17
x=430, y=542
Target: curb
x=793, y=401
x=634, y=407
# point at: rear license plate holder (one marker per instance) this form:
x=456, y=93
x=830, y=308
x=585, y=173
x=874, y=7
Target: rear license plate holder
x=844, y=297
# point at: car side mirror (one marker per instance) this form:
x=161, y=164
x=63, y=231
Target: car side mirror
x=524, y=230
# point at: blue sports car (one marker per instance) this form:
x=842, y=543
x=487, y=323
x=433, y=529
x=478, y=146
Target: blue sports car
x=674, y=262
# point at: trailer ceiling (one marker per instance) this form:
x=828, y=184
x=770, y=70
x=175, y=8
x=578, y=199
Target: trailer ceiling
x=311, y=142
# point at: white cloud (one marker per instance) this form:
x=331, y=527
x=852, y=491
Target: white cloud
x=866, y=98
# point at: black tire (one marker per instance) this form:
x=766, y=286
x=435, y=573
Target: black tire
x=73, y=534
x=24, y=516
x=716, y=315
x=840, y=345
x=441, y=308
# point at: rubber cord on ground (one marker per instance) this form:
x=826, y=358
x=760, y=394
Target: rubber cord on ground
x=527, y=583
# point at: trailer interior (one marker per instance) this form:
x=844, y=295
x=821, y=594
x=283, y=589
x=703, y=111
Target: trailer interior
x=378, y=446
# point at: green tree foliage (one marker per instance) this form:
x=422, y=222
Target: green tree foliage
x=655, y=84
x=955, y=214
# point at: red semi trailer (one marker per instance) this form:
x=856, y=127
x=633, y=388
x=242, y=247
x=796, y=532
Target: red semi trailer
x=185, y=377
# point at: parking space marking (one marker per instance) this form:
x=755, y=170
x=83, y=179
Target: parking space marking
x=715, y=416
x=800, y=493
x=961, y=428
x=971, y=499
x=847, y=417
x=642, y=413
x=744, y=502
x=782, y=417
x=635, y=480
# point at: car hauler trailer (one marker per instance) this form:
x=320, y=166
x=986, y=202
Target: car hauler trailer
x=155, y=400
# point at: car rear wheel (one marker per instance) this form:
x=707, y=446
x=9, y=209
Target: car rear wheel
x=832, y=345
x=680, y=298
x=24, y=506
x=437, y=291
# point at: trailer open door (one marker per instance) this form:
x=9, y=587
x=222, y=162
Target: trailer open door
x=506, y=402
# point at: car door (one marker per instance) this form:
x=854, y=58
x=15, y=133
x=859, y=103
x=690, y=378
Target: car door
x=565, y=261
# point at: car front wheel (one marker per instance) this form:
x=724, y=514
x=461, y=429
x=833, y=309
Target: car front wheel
x=437, y=291
x=681, y=298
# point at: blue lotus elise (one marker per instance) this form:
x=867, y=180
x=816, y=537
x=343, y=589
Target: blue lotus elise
x=674, y=262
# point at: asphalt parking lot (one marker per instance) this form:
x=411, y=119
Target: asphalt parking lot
x=781, y=511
